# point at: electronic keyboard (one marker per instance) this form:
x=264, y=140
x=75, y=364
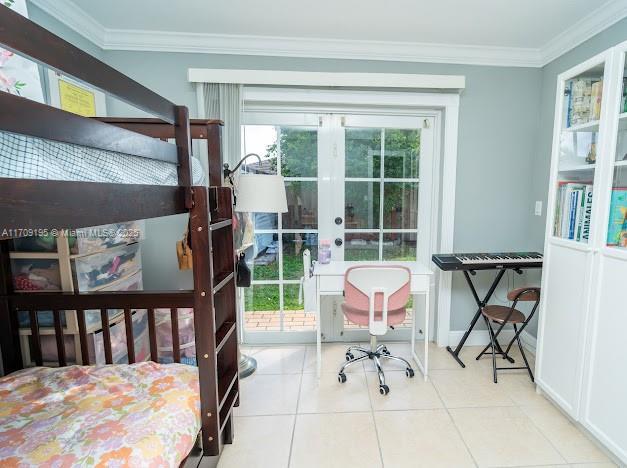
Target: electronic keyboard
x=487, y=261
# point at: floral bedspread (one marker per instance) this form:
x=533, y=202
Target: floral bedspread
x=139, y=415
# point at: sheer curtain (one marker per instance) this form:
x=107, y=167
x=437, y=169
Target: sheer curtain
x=224, y=101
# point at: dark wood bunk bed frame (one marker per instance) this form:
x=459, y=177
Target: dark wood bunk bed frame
x=27, y=204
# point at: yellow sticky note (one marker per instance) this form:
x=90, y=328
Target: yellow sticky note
x=76, y=99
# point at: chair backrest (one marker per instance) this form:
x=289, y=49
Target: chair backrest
x=377, y=289
x=529, y=293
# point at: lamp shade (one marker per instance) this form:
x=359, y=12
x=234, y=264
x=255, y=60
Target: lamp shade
x=260, y=193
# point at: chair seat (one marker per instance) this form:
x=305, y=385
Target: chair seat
x=499, y=313
x=360, y=317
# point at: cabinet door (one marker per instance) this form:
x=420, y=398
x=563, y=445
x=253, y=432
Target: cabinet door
x=564, y=315
x=605, y=410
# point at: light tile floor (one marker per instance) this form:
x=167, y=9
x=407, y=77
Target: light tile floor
x=459, y=418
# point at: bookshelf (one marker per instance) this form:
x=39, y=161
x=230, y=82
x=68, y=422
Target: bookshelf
x=583, y=308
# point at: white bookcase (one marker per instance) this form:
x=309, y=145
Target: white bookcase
x=581, y=362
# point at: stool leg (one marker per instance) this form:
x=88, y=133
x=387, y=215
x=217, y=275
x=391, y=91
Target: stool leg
x=522, y=352
x=491, y=333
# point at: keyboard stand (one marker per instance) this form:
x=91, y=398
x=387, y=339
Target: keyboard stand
x=480, y=305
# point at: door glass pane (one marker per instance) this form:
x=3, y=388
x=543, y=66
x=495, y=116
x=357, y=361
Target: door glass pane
x=266, y=220
x=299, y=151
x=400, y=205
x=262, y=308
x=302, y=205
x=617, y=225
x=577, y=154
x=399, y=246
x=401, y=152
x=261, y=140
x=263, y=257
x=362, y=205
x=294, y=317
x=361, y=246
x=293, y=247
x=363, y=152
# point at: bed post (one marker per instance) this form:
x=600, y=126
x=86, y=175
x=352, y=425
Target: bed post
x=9, y=327
x=204, y=321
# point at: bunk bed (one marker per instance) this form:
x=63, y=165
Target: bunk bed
x=62, y=171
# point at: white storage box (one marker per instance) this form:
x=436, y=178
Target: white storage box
x=99, y=238
x=96, y=271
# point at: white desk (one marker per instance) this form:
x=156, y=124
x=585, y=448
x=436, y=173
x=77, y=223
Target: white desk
x=330, y=282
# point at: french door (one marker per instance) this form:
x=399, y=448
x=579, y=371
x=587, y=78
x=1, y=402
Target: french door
x=362, y=182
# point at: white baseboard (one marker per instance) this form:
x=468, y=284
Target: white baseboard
x=481, y=337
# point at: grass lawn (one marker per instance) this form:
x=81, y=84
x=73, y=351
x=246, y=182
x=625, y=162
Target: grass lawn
x=266, y=296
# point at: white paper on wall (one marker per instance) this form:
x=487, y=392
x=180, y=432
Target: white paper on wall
x=18, y=75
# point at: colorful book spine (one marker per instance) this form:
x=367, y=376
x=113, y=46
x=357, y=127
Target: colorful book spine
x=617, y=227
x=572, y=215
x=587, y=214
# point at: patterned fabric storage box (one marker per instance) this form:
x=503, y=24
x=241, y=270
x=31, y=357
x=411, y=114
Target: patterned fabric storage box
x=93, y=272
x=187, y=339
x=36, y=275
x=99, y=238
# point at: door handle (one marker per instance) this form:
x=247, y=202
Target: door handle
x=338, y=242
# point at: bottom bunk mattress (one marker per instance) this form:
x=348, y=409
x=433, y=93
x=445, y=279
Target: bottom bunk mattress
x=144, y=414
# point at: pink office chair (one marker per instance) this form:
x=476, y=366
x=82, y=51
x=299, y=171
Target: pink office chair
x=376, y=295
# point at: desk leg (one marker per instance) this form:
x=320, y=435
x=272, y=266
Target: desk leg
x=318, y=330
x=422, y=366
x=426, y=333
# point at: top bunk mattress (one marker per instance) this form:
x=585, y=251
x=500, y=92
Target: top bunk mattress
x=26, y=157
x=144, y=414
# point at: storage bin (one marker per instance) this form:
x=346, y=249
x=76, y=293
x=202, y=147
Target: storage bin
x=187, y=339
x=35, y=244
x=95, y=342
x=36, y=274
x=118, y=341
x=99, y=238
x=93, y=272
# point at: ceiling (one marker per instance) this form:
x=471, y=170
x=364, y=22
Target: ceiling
x=487, y=27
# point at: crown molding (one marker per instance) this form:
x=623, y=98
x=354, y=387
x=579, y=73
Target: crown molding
x=141, y=40
x=74, y=18
x=163, y=41
x=589, y=26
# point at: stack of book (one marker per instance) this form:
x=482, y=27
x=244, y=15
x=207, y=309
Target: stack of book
x=583, y=100
x=573, y=211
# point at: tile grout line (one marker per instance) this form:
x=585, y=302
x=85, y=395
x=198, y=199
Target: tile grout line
x=459, y=432
x=300, y=387
x=374, y=420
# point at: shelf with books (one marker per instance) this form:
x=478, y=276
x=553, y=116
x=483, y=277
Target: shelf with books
x=573, y=210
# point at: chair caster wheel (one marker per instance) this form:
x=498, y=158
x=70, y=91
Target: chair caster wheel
x=349, y=356
x=384, y=389
x=409, y=372
x=341, y=378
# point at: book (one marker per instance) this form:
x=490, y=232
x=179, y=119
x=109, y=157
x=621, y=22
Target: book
x=617, y=226
x=596, y=96
x=587, y=214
